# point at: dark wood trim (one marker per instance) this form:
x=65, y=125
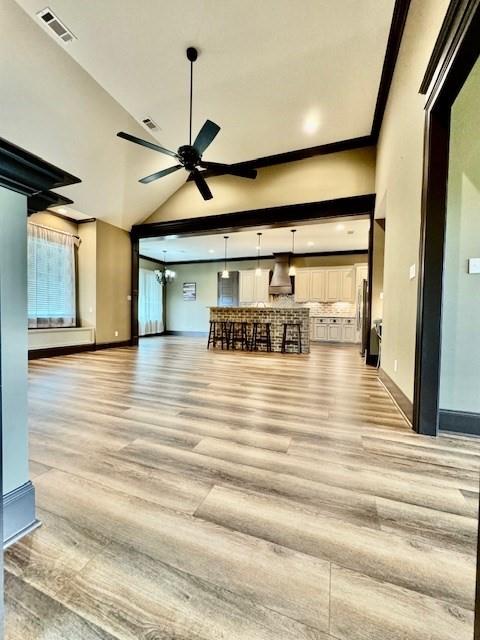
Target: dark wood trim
x=113, y=345
x=28, y=174
x=455, y=10
x=189, y=334
x=463, y=49
x=268, y=218
x=405, y=405
x=52, y=352
x=155, y=260
x=41, y=202
x=368, y=356
x=460, y=422
x=298, y=154
x=397, y=27
x=153, y=335
x=85, y=220
x=316, y=254
x=134, y=290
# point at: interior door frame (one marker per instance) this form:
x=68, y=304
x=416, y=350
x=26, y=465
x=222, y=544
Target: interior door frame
x=455, y=52
x=268, y=218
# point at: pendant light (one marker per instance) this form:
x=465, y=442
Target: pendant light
x=292, y=271
x=225, y=273
x=258, y=271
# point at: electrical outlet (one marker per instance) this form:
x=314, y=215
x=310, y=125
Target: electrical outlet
x=116, y=334
x=395, y=365
x=129, y=298
x=413, y=271
x=474, y=265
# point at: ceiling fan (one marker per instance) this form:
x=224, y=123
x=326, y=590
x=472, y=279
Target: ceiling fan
x=189, y=156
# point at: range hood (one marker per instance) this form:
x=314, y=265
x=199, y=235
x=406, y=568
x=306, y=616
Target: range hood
x=281, y=283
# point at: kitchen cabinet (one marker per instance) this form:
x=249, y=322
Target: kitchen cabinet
x=325, y=284
x=332, y=329
x=302, y=285
x=317, y=285
x=254, y=288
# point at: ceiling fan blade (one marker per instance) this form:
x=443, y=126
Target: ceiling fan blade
x=160, y=174
x=201, y=184
x=145, y=143
x=205, y=136
x=231, y=169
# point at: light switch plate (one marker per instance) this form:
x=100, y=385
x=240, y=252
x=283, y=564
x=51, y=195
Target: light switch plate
x=413, y=271
x=474, y=265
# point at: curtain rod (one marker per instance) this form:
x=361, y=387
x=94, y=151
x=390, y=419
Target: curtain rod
x=65, y=233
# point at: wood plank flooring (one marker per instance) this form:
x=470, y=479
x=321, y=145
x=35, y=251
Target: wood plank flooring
x=187, y=494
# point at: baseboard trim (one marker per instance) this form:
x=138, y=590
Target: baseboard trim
x=19, y=513
x=153, y=335
x=189, y=334
x=403, y=403
x=459, y=422
x=52, y=352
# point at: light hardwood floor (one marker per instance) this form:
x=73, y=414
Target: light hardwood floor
x=194, y=495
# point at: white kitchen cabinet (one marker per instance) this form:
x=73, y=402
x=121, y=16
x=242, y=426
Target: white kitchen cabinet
x=333, y=285
x=348, y=286
x=320, y=331
x=254, y=288
x=335, y=332
x=261, y=286
x=247, y=287
x=349, y=333
x=303, y=285
x=317, y=285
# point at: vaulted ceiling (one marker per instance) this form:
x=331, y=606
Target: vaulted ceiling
x=276, y=75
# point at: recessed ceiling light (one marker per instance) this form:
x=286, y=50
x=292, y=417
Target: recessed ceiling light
x=340, y=227
x=311, y=123
x=310, y=243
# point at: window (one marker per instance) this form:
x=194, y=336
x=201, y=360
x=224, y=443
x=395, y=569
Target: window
x=51, y=278
x=150, y=303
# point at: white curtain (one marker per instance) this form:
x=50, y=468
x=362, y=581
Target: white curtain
x=150, y=304
x=51, y=278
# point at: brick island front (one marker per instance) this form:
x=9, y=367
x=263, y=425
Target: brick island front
x=276, y=316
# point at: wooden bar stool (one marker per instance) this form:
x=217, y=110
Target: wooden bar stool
x=219, y=332
x=261, y=335
x=239, y=334
x=295, y=340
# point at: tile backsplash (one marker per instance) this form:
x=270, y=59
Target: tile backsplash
x=317, y=309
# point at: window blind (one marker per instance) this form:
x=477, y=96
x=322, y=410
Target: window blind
x=51, y=278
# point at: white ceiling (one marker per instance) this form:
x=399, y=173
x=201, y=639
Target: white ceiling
x=312, y=238
x=264, y=66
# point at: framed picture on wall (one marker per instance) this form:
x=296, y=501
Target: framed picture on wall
x=189, y=290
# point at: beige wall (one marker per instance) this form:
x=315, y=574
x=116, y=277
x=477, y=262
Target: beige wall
x=399, y=188
x=47, y=219
x=335, y=175
x=113, y=281
x=87, y=274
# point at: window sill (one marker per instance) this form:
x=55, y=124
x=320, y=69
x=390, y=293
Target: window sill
x=60, y=337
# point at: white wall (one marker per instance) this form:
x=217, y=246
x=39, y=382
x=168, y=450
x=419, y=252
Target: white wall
x=399, y=188
x=13, y=337
x=460, y=364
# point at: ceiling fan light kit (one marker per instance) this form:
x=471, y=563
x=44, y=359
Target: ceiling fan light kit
x=189, y=156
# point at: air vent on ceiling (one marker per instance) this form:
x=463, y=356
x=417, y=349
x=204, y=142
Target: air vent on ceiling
x=60, y=30
x=150, y=124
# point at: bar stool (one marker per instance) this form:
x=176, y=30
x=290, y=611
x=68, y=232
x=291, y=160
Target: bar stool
x=295, y=340
x=219, y=332
x=261, y=335
x=239, y=334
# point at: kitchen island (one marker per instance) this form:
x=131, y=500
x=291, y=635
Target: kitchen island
x=276, y=316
